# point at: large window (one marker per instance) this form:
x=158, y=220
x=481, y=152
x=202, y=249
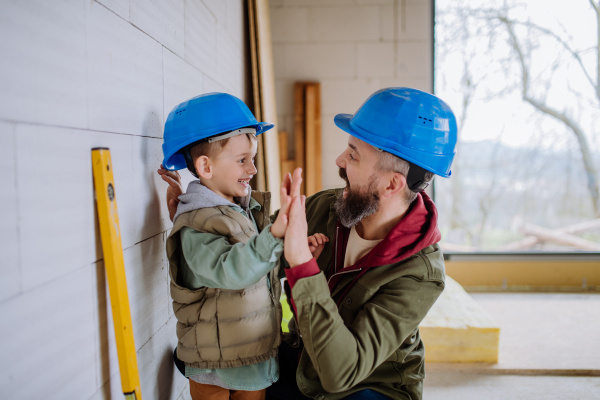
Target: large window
x=523, y=80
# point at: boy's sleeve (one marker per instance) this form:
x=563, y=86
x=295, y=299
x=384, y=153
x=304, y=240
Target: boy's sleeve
x=283, y=262
x=216, y=263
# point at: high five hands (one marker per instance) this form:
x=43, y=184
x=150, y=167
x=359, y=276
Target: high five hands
x=295, y=249
x=290, y=223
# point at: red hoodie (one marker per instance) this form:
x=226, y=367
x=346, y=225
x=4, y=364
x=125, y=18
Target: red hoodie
x=417, y=230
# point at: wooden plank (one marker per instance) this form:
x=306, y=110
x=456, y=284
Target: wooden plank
x=287, y=166
x=458, y=329
x=312, y=139
x=541, y=333
x=318, y=141
x=299, y=134
x=266, y=76
x=259, y=180
x=283, y=146
x=254, y=59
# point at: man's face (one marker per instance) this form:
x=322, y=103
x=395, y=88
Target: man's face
x=358, y=168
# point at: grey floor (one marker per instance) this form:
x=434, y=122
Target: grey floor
x=537, y=330
x=462, y=386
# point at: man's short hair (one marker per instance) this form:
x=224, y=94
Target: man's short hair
x=389, y=162
x=212, y=149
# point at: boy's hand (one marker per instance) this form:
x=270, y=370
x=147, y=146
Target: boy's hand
x=173, y=191
x=290, y=187
x=316, y=243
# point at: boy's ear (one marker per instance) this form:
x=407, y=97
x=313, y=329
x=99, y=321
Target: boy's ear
x=203, y=167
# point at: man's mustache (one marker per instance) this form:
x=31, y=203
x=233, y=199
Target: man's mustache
x=342, y=174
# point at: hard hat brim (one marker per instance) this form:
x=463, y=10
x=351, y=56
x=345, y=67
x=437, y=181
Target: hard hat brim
x=343, y=121
x=175, y=161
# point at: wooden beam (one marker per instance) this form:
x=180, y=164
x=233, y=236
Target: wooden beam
x=259, y=180
x=267, y=100
x=313, y=138
x=299, y=121
x=287, y=165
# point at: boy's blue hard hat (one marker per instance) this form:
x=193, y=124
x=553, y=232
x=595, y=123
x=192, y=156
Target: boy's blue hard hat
x=202, y=117
x=413, y=125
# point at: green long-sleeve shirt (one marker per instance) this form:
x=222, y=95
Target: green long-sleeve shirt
x=210, y=260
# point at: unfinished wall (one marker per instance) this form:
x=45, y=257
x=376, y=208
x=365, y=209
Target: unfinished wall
x=77, y=74
x=353, y=47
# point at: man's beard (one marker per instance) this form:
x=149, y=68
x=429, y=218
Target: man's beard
x=359, y=202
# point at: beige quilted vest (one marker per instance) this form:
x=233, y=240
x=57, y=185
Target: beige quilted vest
x=221, y=328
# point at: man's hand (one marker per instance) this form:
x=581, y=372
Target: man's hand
x=289, y=186
x=316, y=244
x=173, y=191
x=296, y=249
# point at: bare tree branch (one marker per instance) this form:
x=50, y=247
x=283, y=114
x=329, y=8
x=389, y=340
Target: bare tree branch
x=597, y=9
x=574, y=54
x=570, y=123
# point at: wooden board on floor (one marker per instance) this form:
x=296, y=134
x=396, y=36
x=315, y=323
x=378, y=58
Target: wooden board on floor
x=541, y=334
x=458, y=329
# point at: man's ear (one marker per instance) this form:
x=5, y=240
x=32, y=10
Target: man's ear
x=396, y=182
x=203, y=167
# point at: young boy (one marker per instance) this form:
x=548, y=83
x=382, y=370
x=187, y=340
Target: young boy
x=223, y=252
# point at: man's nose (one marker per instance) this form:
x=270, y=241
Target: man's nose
x=340, y=162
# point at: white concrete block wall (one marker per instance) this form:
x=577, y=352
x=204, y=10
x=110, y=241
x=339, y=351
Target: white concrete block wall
x=353, y=47
x=78, y=74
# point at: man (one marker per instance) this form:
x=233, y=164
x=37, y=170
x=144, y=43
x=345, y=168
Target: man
x=358, y=305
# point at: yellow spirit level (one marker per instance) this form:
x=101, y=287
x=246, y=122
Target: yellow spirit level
x=115, y=272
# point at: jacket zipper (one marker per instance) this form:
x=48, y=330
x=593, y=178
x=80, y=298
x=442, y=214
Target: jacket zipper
x=335, y=261
x=335, y=265
x=343, y=272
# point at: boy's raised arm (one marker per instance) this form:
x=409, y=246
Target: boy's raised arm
x=215, y=262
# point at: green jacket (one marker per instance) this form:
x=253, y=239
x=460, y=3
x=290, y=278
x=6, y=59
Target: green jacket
x=364, y=334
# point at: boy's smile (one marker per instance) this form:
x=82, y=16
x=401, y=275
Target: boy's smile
x=228, y=174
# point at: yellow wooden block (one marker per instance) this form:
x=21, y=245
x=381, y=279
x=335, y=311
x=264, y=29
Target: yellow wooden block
x=458, y=329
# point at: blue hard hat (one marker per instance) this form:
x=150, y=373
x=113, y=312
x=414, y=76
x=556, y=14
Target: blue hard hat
x=202, y=117
x=413, y=125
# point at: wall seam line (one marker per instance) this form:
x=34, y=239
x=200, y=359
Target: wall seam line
x=74, y=128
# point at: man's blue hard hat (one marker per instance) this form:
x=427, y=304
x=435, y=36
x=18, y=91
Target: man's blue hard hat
x=202, y=117
x=413, y=125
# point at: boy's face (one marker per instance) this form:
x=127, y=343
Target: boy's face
x=233, y=168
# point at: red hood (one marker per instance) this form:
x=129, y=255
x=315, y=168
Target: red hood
x=417, y=230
